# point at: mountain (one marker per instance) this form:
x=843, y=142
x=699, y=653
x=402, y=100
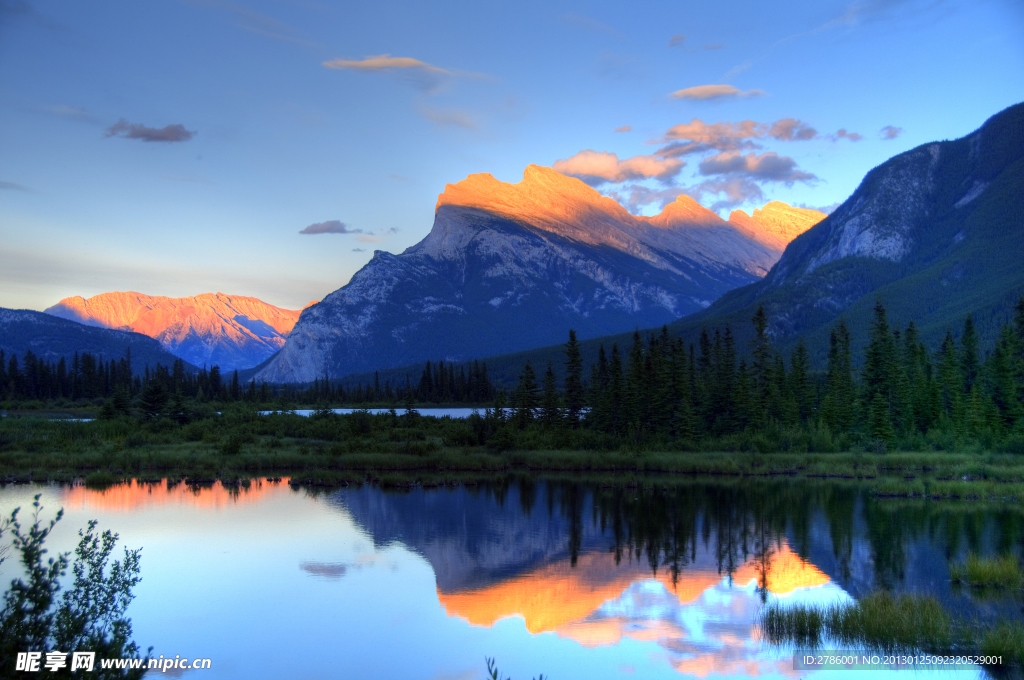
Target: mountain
x=231, y=331
x=51, y=338
x=776, y=224
x=935, y=234
x=507, y=267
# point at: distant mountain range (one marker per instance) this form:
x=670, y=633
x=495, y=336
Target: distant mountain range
x=230, y=331
x=507, y=267
x=51, y=338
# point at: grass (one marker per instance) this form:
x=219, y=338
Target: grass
x=988, y=572
x=242, y=444
x=890, y=623
x=880, y=621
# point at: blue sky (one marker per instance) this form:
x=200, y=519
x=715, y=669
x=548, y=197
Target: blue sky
x=175, y=148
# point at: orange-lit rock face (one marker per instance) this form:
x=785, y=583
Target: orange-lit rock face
x=557, y=595
x=133, y=495
x=776, y=224
x=232, y=331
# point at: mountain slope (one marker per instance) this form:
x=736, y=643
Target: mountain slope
x=51, y=338
x=230, y=331
x=507, y=267
x=935, y=233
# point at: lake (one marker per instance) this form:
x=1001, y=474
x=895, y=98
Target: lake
x=568, y=579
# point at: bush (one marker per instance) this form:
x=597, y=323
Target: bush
x=89, y=616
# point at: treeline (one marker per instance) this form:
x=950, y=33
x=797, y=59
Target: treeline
x=670, y=391
x=88, y=377
x=438, y=384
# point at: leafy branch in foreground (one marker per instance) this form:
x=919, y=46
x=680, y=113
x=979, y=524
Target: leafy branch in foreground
x=88, y=617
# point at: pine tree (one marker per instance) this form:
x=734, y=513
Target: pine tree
x=879, y=377
x=800, y=384
x=526, y=396
x=761, y=368
x=551, y=414
x=969, y=364
x=573, y=380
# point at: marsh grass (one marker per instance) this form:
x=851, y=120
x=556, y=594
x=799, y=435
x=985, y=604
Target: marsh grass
x=347, y=447
x=988, y=572
x=880, y=621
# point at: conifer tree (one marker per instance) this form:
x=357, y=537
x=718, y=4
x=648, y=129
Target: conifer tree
x=761, y=367
x=573, y=380
x=526, y=396
x=969, y=364
x=551, y=414
x=800, y=384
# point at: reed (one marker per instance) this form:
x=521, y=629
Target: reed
x=988, y=572
x=879, y=621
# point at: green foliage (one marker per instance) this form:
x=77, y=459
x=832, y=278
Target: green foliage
x=89, y=616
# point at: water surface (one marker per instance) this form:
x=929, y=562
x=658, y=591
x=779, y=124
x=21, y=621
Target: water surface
x=568, y=579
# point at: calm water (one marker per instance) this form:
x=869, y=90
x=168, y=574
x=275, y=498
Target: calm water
x=571, y=580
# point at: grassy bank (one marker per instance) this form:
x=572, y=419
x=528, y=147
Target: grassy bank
x=889, y=623
x=334, y=449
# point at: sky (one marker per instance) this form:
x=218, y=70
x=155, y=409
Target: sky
x=268, y=148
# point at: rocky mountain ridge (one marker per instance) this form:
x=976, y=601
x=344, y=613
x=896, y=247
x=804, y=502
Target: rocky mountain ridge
x=51, y=338
x=507, y=267
x=232, y=331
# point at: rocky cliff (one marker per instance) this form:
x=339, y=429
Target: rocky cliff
x=508, y=267
x=230, y=331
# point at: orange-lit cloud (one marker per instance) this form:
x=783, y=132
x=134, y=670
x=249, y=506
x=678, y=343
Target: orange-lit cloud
x=382, y=62
x=598, y=167
x=624, y=128
x=676, y=40
x=714, y=92
x=791, y=129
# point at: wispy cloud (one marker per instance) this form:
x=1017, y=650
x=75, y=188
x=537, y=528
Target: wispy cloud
x=383, y=62
x=449, y=117
x=600, y=167
x=588, y=24
x=699, y=137
x=14, y=186
x=713, y=46
x=330, y=227
x=260, y=24
x=76, y=112
x=169, y=133
x=890, y=132
x=359, y=250
x=624, y=128
x=714, y=92
x=369, y=238
x=418, y=73
x=676, y=40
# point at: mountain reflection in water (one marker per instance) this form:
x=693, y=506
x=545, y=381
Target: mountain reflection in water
x=566, y=578
x=686, y=566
